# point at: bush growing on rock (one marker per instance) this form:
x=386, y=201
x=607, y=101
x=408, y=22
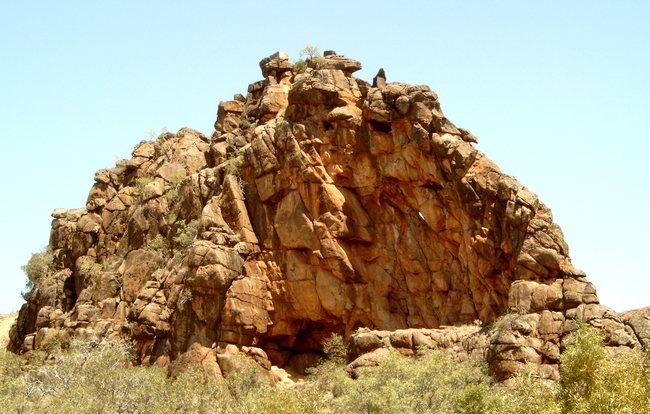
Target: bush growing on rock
x=185, y=233
x=171, y=195
x=308, y=53
x=140, y=183
x=38, y=267
x=91, y=268
x=159, y=244
x=244, y=123
x=153, y=134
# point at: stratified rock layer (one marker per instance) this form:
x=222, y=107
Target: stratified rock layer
x=321, y=205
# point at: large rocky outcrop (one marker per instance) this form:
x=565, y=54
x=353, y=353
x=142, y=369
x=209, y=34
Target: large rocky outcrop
x=320, y=205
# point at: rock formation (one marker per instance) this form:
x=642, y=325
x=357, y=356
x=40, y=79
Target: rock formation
x=319, y=205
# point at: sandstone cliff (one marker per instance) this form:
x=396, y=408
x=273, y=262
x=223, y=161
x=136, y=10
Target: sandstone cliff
x=321, y=204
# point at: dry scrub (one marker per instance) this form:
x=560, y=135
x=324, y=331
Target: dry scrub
x=90, y=377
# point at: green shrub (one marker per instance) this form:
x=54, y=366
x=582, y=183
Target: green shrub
x=580, y=364
x=313, y=52
x=39, y=266
x=300, y=66
x=301, y=400
x=335, y=348
x=172, y=195
x=13, y=387
x=164, y=148
x=185, y=234
x=593, y=383
x=140, y=183
x=330, y=378
x=91, y=268
x=117, y=281
x=244, y=123
x=233, y=166
x=175, y=178
x=415, y=385
x=231, y=152
x=159, y=244
x=192, y=392
x=523, y=390
x=91, y=377
x=88, y=377
x=248, y=382
x=233, y=162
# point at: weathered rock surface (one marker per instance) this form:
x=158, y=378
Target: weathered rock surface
x=320, y=205
x=368, y=348
x=639, y=321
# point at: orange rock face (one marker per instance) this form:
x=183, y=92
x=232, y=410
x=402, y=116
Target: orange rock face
x=319, y=205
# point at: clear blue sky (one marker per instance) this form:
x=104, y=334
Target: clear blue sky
x=557, y=92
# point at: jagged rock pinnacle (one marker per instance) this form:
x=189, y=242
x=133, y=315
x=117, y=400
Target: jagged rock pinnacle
x=379, y=81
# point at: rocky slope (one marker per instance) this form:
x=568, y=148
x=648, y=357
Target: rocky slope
x=321, y=204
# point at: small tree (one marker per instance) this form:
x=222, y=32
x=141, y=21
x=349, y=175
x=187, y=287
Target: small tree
x=38, y=267
x=311, y=53
x=335, y=349
x=584, y=355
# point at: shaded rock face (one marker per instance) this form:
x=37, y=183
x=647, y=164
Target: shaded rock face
x=319, y=205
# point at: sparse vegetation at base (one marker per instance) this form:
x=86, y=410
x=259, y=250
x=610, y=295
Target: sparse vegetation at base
x=593, y=383
x=94, y=378
x=90, y=377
